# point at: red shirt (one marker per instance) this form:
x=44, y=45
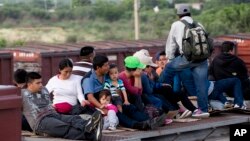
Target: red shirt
x=129, y=84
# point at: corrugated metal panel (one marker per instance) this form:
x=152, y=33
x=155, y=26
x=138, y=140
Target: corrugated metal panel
x=6, y=68
x=10, y=113
x=44, y=57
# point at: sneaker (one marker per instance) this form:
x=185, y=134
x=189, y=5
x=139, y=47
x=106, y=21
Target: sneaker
x=168, y=121
x=157, y=121
x=243, y=107
x=185, y=114
x=144, y=125
x=112, y=128
x=227, y=105
x=200, y=114
x=98, y=131
x=93, y=121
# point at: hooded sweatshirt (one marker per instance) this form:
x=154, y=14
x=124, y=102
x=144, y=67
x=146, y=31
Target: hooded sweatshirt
x=227, y=65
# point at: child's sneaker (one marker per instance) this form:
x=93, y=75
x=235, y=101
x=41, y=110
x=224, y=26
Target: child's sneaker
x=185, y=114
x=112, y=128
x=200, y=114
x=168, y=121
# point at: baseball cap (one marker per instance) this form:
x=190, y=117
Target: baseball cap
x=133, y=62
x=183, y=9
x=144, y=58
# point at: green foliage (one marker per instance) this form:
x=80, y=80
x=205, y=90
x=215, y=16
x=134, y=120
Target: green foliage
x=109, y=10
x=18, y=43
x=228, y=20
x=106, y=20
x=79, y=3
x=3, y=42
x=71, y=39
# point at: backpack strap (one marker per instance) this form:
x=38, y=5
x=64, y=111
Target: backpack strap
x=189, y=25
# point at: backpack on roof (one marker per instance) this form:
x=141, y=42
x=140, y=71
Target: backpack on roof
x=196, y=44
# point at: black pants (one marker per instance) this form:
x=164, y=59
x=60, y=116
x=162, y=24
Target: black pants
x=168, y=94
x=63, y=126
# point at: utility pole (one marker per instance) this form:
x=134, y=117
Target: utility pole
x=136, y=16
x=45, y=5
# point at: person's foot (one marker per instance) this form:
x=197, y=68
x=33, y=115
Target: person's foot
x=228, y=105
x=184, y=114
x=200, y=114
x=168, y=121
x=243, y=107
x=112, y=128
x=93, y=121
x=157, y=121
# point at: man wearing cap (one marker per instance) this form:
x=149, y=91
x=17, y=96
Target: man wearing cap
x=87, y=54
x=179, y=62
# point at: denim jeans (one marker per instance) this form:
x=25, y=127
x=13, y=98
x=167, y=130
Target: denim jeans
x=184, y=78
x=199, y=73
x=131, y=115
x=224, y=85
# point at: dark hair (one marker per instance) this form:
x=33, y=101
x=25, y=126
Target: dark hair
x=86, y=50
x=32, y=76
x=65, y=63
x=160, y=54
x=130, y=69
x=227, y=46
x=99, y=61
x=105, y=93
x=183, y=15
x=20, y=75
x=112, y=65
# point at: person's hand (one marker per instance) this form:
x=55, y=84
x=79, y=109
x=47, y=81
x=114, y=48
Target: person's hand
x=126, y=103
x=137, y=72
x=84, y=103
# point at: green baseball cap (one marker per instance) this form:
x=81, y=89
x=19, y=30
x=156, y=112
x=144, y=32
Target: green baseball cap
x=133, y=62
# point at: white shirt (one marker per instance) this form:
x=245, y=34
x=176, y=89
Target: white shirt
x=175, y=37
x=69, y=90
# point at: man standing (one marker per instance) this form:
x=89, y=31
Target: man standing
x=178, y=61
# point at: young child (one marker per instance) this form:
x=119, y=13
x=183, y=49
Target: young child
x=110, y=120
x=116, y=86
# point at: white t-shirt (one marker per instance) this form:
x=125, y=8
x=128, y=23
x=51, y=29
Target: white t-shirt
x=69, y=90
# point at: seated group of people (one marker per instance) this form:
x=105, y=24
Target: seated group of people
x=90, y=95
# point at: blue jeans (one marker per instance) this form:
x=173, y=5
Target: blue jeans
x=184, y=78
x=199, y=73
x=224, y=85
x=130, y=116
x=152, y=99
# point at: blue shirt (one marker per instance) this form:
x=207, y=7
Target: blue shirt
x=91, y=84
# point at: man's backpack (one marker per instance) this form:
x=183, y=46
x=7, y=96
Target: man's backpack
x=196, y=45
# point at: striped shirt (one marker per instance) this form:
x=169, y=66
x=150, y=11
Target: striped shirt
x=113, y=89
x=81, y=68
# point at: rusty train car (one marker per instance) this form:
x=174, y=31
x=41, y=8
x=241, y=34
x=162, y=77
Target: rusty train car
x=44, y=57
